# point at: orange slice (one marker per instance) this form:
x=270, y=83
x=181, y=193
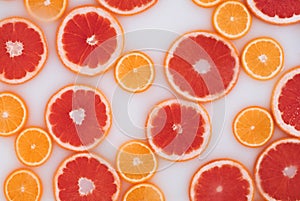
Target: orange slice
x=232, y=19
x=262, y=58
x=136, y=162
x=207, y=3
x=134, y=72
x=144, y=191
x=13, y=114
x=253, y=126
x=33, y=146
x=23, y=184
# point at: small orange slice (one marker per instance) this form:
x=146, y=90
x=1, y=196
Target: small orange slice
x=262, y=58
x=33, y=146
x=144, y=191
x=232, y=19
x=134, y=72
x=206, y=3
x=13, y=113
x=253, y=126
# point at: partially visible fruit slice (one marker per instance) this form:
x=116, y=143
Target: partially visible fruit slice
x=178, y=130
x=86, y=176
x=277, y=170
x=136, y=162
x=98, y=37
x=23, y=50
x=222, y=179
x=202, y=66
x=13, y=113
x=78, y=117
x=207, y=3
x=253, y=126
x=144, y=191
x=23, y=184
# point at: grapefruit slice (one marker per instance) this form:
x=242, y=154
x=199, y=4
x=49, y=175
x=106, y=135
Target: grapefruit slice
x=98, y=37
x=202, y=66
x=222, y=179
x=78, y=117
x=23, y=50
x=207, y=3
x=178, y=130
x=277, y=170
x=144, y=191
x=86, y=176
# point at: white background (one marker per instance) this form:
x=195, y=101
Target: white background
x=172, y=18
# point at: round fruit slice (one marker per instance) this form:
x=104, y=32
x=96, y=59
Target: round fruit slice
x=144, y=191
x=262, y=58
x=285, y=102
x=23, y=184
x=253, y=126
x=98, y=37
x=13, y=114
x=202, y=66
x=134, y=72
x=46, y=10
x=33, y=146
x=277, y=170
x=23, y=50
x=78, y=117
x=232, y=19
x=178, y=130
x=276, y=12
x=207, y=3
x=136, y=162
x=222, y=179
x=86, y=176
x=127, y=7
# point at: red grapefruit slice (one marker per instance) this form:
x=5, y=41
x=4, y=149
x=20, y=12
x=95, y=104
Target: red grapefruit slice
x=202, y=66
x=86, y=176
x=78, y=117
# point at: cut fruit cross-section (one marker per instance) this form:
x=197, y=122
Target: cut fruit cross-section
x=207, y=3
x=144, y=191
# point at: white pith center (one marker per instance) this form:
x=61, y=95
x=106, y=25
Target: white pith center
x=47, y=2
x=263, y=58
x=77, y=116
x=33, y=146
x=202, y=66
x=219, y=189
x=22, y=189
x=86, y=186
x=14, y=49
x=136, y=161
x=231, y=19
x=252, y=128
x=177, y=128
x=135, y=70
x=5, y=115
x=290, y=171
x=92, y=40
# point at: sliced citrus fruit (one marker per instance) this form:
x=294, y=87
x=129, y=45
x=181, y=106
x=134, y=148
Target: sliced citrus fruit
x=23, y=184
x=207, y=3
x=134, y=71
x=277, y=170
x=23, y=50
x=262, y=58
x=86, y=176
x=276, y=12
x=89, y=40
x=78, y=117
x=13, y=113
x=136, y=162
x=202, y=66
x=127, y=7
x=144, y=191
x=178, y=130
x=46, y=10
x=285, y=102
x=232, y=19
x=222, y=179
x=33, y=146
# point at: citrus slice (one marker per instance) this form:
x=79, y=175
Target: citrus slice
x=277, y=170
x=23, y=184
x=285, y=102
x=262, y=58
x=202, y=66
x=276, y=12
x=253, y=126
x=23, y=50
x=207, y=3
x=178, y=130
x=136, y=162
x=78, y=117
x=86, y=176
x=232, y=19
x=134, y=71
x=144, y=191
x=46, y=10
x=98, y=37
x=127, y=7
x=222, y=179
x=33, y=146
x=13, y=113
